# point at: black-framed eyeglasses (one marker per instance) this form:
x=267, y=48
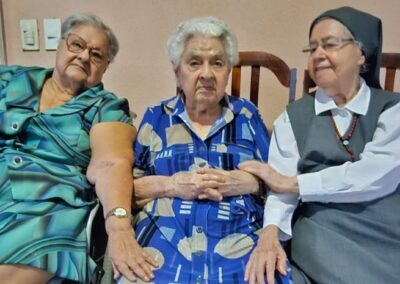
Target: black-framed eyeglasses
x=76, y=44
x=328, y=44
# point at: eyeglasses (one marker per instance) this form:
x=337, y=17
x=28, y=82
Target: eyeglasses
x=76, y=44
x=328, y=44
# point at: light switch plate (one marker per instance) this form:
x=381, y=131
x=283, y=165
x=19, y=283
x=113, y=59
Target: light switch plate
x=52, y=33
x=29, y=34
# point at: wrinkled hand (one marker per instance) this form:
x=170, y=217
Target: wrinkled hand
x=189, y=186
x=227, y=183
x=127, y=257
x=266, y=257
x=276, y=182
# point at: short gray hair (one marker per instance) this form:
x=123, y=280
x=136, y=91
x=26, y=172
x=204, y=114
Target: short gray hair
x=93, y=21
x=204, y=26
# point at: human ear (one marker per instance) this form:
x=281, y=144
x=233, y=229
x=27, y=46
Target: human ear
x=178, y=81
x=361, y=60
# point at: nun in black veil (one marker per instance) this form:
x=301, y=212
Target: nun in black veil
x=335, y=155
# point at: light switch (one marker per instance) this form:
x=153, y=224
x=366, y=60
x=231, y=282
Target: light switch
x=52, y=33
x=29, y=34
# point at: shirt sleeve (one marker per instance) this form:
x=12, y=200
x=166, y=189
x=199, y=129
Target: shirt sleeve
x=375, y=175
x=284, y=157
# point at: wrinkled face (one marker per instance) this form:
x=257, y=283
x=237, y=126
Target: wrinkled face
x=339, y=63
x=81, y=69
x=204, y=71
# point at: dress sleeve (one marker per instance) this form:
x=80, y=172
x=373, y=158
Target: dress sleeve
x=6, y=73
x=143, y=164
x=261, y=136
x=113, y=109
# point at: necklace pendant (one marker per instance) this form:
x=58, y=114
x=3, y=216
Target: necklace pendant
x=345, y=142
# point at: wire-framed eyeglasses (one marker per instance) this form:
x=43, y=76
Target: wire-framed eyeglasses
x=328, y=44
x=76, y=44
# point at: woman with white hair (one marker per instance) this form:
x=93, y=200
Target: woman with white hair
x=200, y=214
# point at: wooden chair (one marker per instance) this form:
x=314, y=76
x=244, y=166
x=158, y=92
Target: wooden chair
x=258, y=59
x=390, y=62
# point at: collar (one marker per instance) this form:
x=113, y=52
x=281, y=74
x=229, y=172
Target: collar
x=230, y=107
x=176, y=106
x=23, y=92
x=358, y=104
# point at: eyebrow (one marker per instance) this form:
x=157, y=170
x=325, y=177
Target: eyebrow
x=194, y=53
x=87, y=44
x=325, y=38
x=97, y=49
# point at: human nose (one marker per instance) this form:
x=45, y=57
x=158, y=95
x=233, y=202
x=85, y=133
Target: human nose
x=319, y=52
x=84, y=55
x=206, y=71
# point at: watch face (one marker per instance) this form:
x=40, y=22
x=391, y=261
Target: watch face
x=120, y=212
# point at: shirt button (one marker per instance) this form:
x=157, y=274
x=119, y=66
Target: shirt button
x=198, y=253
x=17, y=160
x=201, y=148
x=14, y=125
x=199, y=230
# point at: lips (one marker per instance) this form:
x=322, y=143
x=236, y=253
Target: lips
x=322, y=71
x=206, y=88
x=316, y=69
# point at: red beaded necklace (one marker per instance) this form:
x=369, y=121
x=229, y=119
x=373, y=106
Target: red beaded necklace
x=345, y=139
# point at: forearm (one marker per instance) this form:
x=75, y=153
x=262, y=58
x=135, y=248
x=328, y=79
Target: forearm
x=283, y=184
x=113, y=185
x=241, y=183
x=148, y=188
x=110, y=169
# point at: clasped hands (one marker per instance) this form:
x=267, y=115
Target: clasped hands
x=212, y=184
